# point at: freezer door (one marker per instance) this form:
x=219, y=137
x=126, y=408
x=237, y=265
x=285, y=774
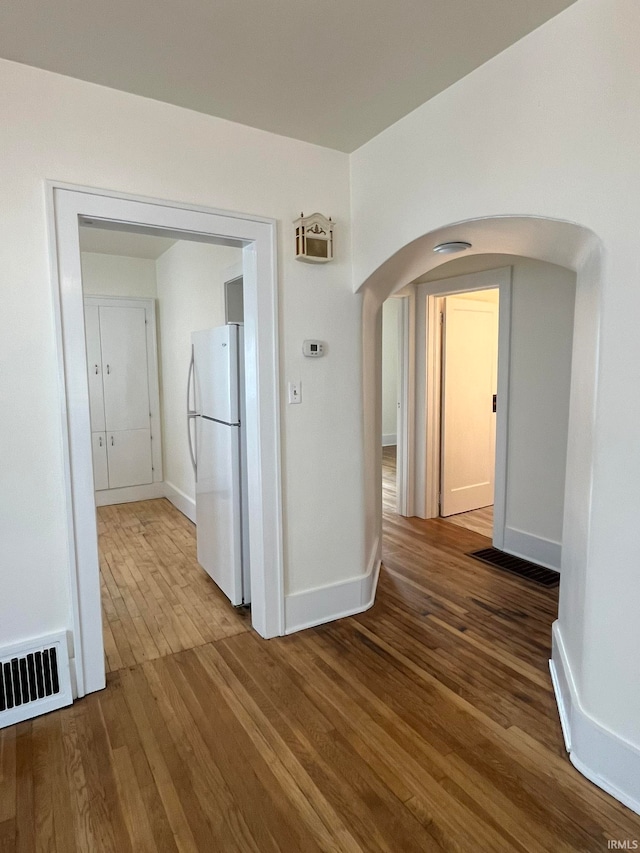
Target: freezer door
x=218, y=506
x=216, y=373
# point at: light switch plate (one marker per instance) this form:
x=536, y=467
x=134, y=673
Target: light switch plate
x=295, y=391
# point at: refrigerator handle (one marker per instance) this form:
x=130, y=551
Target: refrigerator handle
x=191, y=376
x=191, y=415
x=194, y=462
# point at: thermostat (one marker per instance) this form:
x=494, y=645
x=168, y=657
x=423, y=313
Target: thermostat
x=313, y=349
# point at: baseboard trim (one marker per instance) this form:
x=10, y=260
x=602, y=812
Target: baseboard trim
x=333, y=601
x=606, y=759
x=129, y=494
x=182, y=502
x=388, y=440
x=537, y=549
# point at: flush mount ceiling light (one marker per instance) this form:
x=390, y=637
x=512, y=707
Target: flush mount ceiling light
x=452, y=247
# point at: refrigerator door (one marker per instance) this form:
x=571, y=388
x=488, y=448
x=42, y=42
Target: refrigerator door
x=216, y=373
x=218, y=505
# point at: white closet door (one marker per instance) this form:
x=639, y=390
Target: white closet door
x=100, y=470
x=123, y=339
x=94, y=367
x=129, y=457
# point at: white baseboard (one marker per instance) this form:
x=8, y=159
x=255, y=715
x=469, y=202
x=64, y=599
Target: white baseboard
x=388, y=440
x=184, y=503
x=544, y=552
x=106, y=497
x=334, y=601
x=606, y=759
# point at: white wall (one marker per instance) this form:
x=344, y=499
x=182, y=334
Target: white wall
x=541, y=336
x=547, y=129
x=116, y=275
x=390, y=313
x=62, y=129
x=190, y=280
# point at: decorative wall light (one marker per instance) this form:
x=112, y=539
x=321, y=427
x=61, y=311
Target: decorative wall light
x=314, y=238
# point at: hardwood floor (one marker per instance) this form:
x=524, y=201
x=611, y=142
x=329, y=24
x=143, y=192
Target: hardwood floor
x=425, y=724
x=156, y=599
x=478, y=520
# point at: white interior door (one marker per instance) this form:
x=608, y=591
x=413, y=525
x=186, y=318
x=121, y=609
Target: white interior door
x=123, y=340
x=468, y=422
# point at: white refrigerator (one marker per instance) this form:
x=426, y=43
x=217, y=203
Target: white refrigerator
x=215, y=418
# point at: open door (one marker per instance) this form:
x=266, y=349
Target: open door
x=469, y=386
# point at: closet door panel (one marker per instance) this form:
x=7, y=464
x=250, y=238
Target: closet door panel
x=100, y=469
x=94, y=367
x=123, y=338
x=129, y=457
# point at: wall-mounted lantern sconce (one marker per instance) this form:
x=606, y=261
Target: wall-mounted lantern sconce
x=314, y=238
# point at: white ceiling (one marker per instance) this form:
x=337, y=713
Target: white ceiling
x=334, y=73
x=131, y=245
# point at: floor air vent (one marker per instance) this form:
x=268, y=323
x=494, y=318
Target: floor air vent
x=34, y=679
x=517, y=566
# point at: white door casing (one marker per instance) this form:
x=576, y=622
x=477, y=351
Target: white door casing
x=405, y=461
x=468, y=422
x=67, y=204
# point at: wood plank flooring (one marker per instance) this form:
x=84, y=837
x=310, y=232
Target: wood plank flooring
x=425, y=724
x=156, y=599
x=478, y=520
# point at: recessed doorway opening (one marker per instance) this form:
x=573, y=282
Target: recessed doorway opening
x=71, y=207
x=167, y=542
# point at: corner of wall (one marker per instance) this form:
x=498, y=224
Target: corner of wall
x=334, y=601
x=606, y=759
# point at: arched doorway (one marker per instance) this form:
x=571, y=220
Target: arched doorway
x=564, y=244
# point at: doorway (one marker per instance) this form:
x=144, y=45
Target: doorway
x=536, y=317
x=144, y=296
x=427, y=354
x=69, y=206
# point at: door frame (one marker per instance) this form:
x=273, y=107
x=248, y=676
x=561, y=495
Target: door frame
x=405, y=425
x=66, y=205
x=428, y=387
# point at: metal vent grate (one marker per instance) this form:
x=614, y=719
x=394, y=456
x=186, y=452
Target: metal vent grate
x=29, y=678
x=34, y=679
x=517, y=566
